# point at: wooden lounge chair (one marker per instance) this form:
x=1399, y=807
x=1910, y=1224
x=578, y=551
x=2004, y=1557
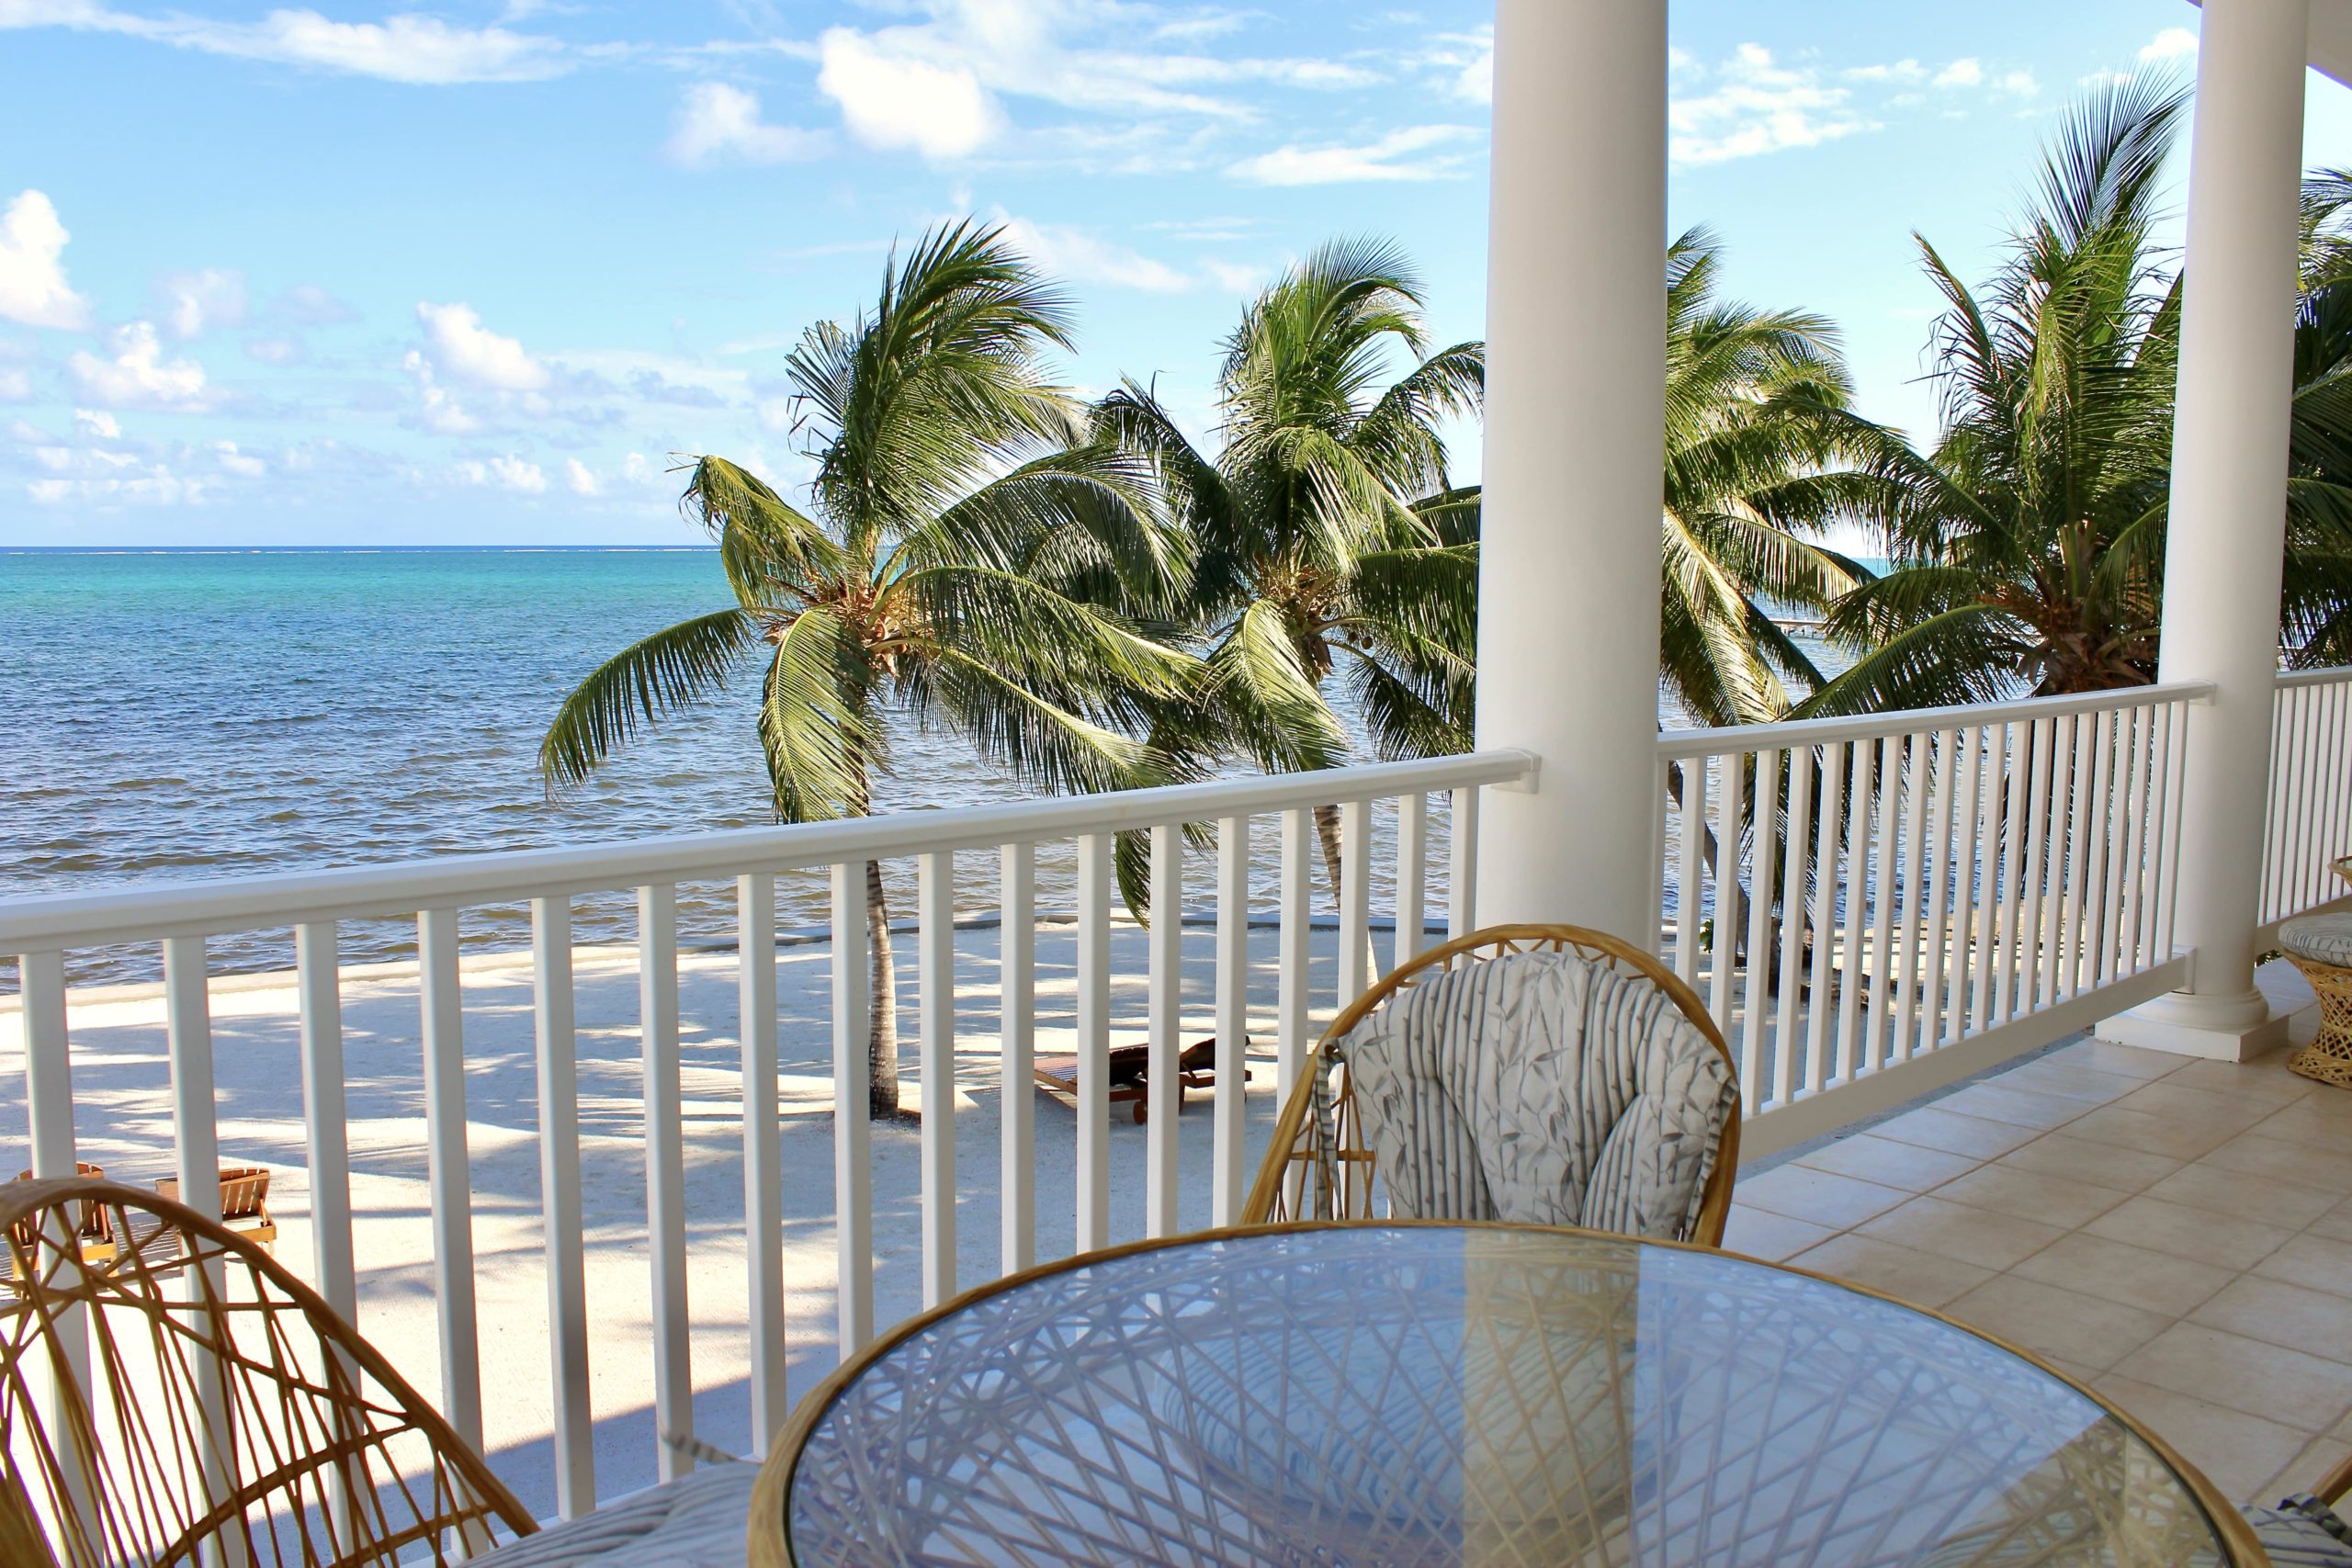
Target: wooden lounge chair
x=94, y=1229
x=244, y=1201
x=1130, y=1067
x=1491, y=1065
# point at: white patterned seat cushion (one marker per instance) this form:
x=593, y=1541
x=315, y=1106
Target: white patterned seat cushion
x=2321, y=939
x=700, y=1520
x=1541, y=1088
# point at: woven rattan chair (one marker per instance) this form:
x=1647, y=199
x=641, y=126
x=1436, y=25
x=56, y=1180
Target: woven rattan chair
x=226, y=1414
x=97, y=1229
x=2304, y=1532
x=1322, y=1165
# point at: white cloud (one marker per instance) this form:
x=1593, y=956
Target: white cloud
x=1236, y=278
x=312, y=306
x=139, y=376
x=195, y=302
x=464, y=348
x=96, y=423
x=437, y=410
x=509, y=472
x=243, y=464
x=1904, y=70
x=1756, y=106
x=1387, y=158
x=1966, y=72
x=32, y=270
x=2170, y=44
x=1080, y=258
x=405, y=48
x=893, y=100
x=16, y=386
x=276, y=350
x=637, y=470
x=576, y=475
x=717, y=121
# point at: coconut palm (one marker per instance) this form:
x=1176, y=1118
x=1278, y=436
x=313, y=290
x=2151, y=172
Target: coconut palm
x=1329, y=553
x=961, y=560
x=2316, y=617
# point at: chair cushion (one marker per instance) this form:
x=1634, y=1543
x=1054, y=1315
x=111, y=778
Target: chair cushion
x=1541, y=1088
x=2302, y=1532
x=2323, y=938
x=700, y=1520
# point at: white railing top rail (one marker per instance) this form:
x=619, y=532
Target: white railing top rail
x=153, y=911
x=2329, y=676
x=1677, y=745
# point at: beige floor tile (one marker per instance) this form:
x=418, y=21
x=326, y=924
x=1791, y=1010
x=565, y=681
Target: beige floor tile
x=2125, y=1061
x=2053, y=1322
x=1920, y=1277
x=2073, y=1369
x=2266, y=1078
x=1819, y=1197
x=2101, y=1164
x=2302, y=1473
x=2258, y=1154
x=1758, y=1233
x=2116, y=1271
x=2260, y=1379
x=2200, y=1108
x=2018, y=1106
x=2202, y=1186
x=2335, y=1224
x=1980, y=1236
x=2149, y=1134
x=2315, y=1321
x=1933, y=1127
x=1890, y=1163
x=2031, y=1195
x=2314, y=1262
x=2199, y=1235
x=2046, y=1077
x=2237, y=1453
x=2326, y=1131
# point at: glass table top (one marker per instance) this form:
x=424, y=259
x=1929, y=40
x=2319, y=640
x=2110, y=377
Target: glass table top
x=1398, y=1395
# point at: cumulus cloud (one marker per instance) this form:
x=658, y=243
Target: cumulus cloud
x=1966, y=72
x=1082, y=258
x=576, y=475
x=139, y=376
x=463, y=349
x=894, y=100
x=32, y=266
x=1754, y=104
x=437, y=409
x=510, y=472
x=718, y=123
x=242, y=463
x=405, y=48
x=2172, y=43
x=1412, y=154
x=195, y=302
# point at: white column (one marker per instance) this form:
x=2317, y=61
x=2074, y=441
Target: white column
x=1576, y=377
x=2227, y=530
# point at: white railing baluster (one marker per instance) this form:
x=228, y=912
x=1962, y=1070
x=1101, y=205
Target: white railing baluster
x=852, y=1117
x=1755, y=988
x=1989, y=874
x=449, y=1170
x=665, y=1177
x=1966, y=840
x=2056, y=924
x=1723, y=951
x=1017, y=1041
x=1819, y=1041
x=935, y=993
x=560, y=1203
x=2124, y=877
x=1918, y=783
x=1164, y=1017
x=326, y=1117
x=1850, y=984
x=755, y=1014
x=1934, y=862
x=2080, y=827
x=1356, y=900
x=2013, y=783
x=1291, y=948
x=1887, y=886
x=1094, y=1173
x=1229, y=1176
x=2170, y=811
x=1412, y=869
x=2101, y=826
x=2034, y=960
x=48, y=1104
x=1462, y=865
x=1691, y=856
x=1789, y=1061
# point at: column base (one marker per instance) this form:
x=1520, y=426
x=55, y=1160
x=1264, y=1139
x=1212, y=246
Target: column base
x=2221, y=1029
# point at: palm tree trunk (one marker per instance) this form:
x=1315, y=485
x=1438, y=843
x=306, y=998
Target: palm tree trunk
x=1731, y=923
x=882, y=1013
x=1326, y=828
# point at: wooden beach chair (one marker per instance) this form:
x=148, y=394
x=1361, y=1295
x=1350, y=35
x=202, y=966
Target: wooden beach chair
x=1130, y=1069
x=94, y=1229
x=244, y=1201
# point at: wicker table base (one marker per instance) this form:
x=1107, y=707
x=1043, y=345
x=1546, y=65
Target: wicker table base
x=2328, y=1057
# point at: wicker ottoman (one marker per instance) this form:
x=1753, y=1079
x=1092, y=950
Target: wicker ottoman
x=2321, y=946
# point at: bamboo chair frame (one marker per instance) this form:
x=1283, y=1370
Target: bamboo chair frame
x=1301, y=1180
x=2328, y=1057
x=188, y=1400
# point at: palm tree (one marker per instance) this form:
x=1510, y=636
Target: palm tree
x=1327, y=543
x=2316, y=618
x=961, y=562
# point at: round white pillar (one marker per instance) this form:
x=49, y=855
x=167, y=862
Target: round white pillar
x=1575, y=399
x=2226, y=535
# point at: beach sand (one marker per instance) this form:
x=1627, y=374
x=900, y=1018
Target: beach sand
x=123, y=1122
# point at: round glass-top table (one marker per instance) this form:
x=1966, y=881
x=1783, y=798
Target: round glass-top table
x=1400, y=1394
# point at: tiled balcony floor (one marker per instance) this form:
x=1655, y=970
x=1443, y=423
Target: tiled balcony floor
x=2175, y=1233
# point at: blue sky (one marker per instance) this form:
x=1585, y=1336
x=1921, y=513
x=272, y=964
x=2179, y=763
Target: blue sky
x=351, y=276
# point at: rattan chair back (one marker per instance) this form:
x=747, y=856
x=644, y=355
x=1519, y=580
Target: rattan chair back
x=1322, y=1167
x=186, y=1398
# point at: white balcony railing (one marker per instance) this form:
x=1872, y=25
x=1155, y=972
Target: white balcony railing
x=1875, y=907
x=2310, y=794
